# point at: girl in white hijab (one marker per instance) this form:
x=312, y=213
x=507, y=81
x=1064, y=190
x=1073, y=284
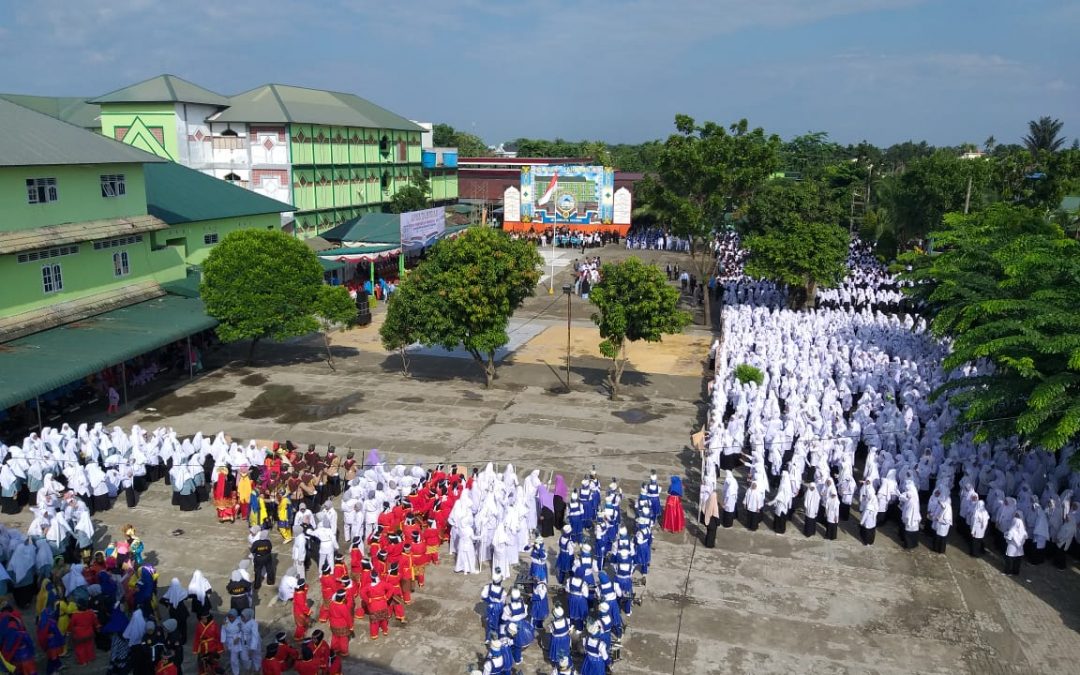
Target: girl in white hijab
x=199, y=590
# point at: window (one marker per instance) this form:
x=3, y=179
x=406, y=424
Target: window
x=112, y=185
x=46, y=253
x=41, y=190
x=232, y=177
x=51, y=279
x=210, y=238
x=120, y=264
x=120, y=241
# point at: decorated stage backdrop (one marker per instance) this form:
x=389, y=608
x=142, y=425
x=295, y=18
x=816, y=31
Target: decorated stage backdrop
x=578, y=197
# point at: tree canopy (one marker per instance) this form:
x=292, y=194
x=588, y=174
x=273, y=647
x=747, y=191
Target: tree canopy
x=634, y=302
x=706, y=174
x=1044, y=135
x=261, y=285
x=416, y=196
x=803, y=255
x=1005, y=287
x=468, y=145
x=464, y=294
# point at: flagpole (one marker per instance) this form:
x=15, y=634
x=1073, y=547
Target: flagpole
x=554, y=225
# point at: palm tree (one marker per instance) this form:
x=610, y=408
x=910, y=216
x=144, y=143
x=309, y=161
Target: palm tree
x=1044, y=134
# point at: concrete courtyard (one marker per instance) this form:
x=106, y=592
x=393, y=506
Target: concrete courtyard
x=758, y=602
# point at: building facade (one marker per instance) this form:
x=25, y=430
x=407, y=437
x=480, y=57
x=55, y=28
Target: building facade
x=94, y=235
x=332, y=155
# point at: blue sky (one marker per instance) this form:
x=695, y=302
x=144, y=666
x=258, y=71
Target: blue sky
x=947, y=71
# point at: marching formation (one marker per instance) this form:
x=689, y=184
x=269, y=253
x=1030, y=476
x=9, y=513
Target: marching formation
x=854, y=377
x=582, y=599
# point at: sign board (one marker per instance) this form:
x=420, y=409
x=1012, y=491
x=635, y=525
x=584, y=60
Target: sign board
x=511, y=205
x=622, y=207
x=422, y=228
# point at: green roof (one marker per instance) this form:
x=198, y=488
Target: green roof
x=283, y=104
x=369, y=228
x=1070, y=203
x=71, y=109
x=331, y=265
x=163, y=89
x=44, y=361
x=358, y=250
x=177, y=194
x=31, y=138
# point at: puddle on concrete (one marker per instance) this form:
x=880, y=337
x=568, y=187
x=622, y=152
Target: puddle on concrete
x=172, y=404
x=254, y=380
x=410, y=399
x=471, y=395
x=636, y=416
x=287, y=406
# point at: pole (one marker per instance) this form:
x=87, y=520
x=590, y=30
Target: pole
x=123, y=378
x=191, y=361
x=37, y=405
x=554, y=226
x=967, y=199
x=568, y=341
x=401, y=264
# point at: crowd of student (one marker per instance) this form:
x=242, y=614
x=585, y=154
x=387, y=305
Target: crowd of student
x=581, y=598
x=655, y=239
x=843, y=425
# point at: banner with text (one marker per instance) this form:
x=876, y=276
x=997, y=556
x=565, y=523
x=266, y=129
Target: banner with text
x=422, y=228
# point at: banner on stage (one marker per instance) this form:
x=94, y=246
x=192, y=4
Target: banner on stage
x=422, y=228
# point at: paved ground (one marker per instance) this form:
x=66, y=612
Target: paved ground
x=759, y=602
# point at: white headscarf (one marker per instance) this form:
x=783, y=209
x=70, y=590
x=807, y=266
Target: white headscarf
x=136, y=628
x=176, y=594
x=198, y=586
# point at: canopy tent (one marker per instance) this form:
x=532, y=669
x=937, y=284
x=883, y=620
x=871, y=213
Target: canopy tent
x=371, y=230
x=36, y=364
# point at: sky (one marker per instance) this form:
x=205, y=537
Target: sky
x=944, y=71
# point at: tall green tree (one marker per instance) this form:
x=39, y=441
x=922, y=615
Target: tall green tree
x=707, y=174
x=803, y=255
x=1044, y=135
x=334, y=308
x=465, y=293
x=416, y=196
x=782, y=201
x=261, y=285
x=1005, y=288
x=408, y=313
x=932, y=186
x=634, y=302
x=468, y=145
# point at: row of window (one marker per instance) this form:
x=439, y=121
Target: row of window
x=52, y=276
x=44, y=190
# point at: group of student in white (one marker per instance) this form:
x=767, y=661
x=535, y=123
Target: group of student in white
x=835, y=420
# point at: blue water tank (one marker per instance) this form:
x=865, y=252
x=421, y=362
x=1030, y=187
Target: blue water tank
x=450, y=159
x=427, y=159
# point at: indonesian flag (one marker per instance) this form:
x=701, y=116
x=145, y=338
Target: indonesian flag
x=550, y=190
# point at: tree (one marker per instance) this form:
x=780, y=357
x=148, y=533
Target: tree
x=706, y=174
x=1005, y=288
x=442, y=135
x=261, y=285
x=333, y=307
x=780, y=201
x=802, y=255
x=466, y=292
x=932, y=186
x=634, y=302
x=412, y=197
x=1044, y=135
x=407, y=312
x=468, y=145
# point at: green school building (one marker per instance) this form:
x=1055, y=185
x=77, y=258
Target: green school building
x=334, y=156
x=99, y=247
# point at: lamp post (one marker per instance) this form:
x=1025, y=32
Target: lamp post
x=566, y=289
